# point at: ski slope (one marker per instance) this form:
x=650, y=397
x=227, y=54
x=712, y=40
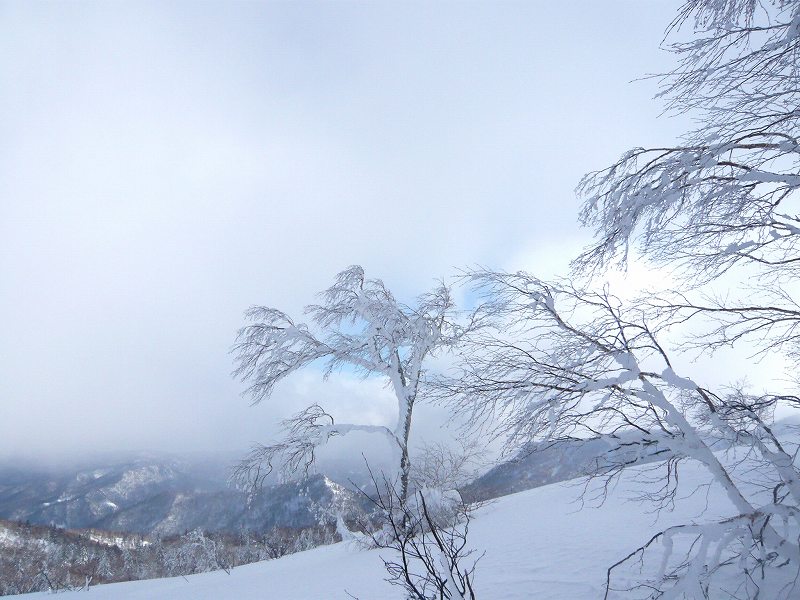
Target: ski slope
x=539, y=544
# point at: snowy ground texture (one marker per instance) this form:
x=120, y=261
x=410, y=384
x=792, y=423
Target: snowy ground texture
x=539, y=544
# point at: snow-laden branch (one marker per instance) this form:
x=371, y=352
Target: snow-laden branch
x=564, y=362
x=728, y=194
x=358, y=323
x=295, y=452
x=694, y=556
x=706, y=207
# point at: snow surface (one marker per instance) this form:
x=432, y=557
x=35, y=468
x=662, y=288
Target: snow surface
x=539, y=544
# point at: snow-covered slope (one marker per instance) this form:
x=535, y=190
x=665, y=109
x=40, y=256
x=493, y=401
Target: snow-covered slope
x=538, y=543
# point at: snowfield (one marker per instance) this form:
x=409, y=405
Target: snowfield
x=539, y=544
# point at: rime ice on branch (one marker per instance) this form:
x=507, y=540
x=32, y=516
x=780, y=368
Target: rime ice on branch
x=727, y=196
x=568, y=361
x=729, y=193
x=564, y=362
x=358, y=324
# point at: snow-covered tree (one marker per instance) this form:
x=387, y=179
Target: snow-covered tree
x=728, y=193
x=728, y=197
x=196, y=552
x=568, y=360
x=448, y=466
x=564, y=362
x=359, y=325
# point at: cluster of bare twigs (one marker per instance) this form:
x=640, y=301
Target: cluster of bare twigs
x=431, y=558
x=358, y=324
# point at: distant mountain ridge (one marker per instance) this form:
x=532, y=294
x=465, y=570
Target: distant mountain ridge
x=168, y=496
x=543, y=463
x=162, y=497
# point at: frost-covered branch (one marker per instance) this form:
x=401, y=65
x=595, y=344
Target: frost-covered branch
x=358, y=323
x=767, y=322
x=565, y=362
x=562, y=362
x=688, y=560
x=729, y=193
x=295, y=452
x=706, y=207
x=726, y=196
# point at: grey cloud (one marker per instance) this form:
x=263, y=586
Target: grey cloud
x=165, y=165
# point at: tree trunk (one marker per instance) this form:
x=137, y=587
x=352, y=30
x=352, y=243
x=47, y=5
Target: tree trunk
x=405, y=461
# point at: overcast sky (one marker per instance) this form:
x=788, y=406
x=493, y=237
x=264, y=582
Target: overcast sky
x=165, y=165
